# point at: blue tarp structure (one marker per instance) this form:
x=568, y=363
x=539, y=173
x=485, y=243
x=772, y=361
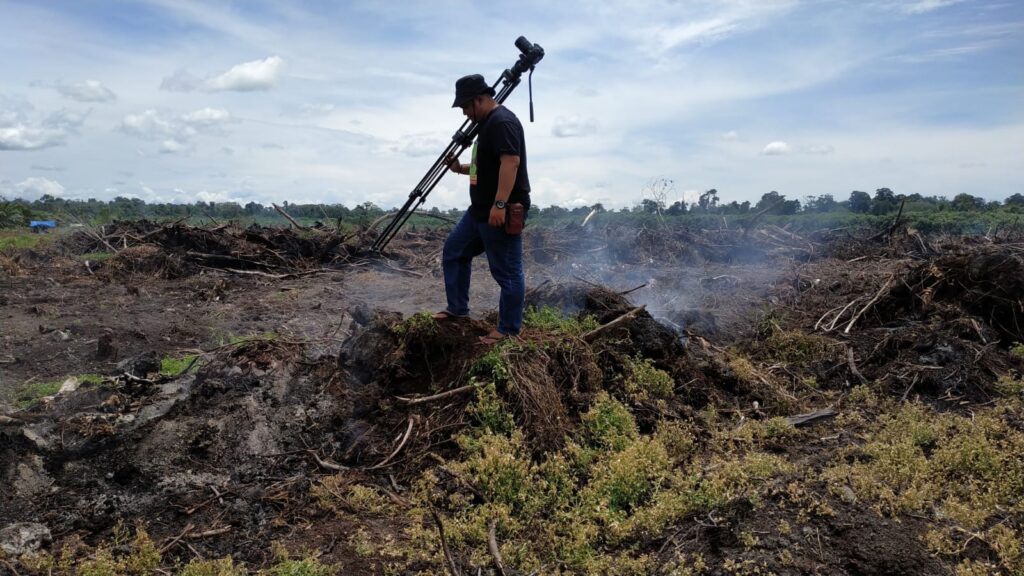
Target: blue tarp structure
x=39, y=225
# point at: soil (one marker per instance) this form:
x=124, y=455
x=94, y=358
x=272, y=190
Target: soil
x=303, y=374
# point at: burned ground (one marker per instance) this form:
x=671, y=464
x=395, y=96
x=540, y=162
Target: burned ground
x=680, y=402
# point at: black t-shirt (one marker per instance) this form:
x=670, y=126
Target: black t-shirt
x=500, y=133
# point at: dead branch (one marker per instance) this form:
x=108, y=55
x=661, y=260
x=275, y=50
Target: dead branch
x=290, y=219
x=633, y=289
x=440, y=396
x=605, y=327
x=326, y=464
x=853, y=366
x=9, y=567
x=832, y=326
x=8, y=421
x=412, y=420
x=869, y=304
x=165, y=547
x=452, y=567
x=810, y=417
x=492, y=544
x=211, y=532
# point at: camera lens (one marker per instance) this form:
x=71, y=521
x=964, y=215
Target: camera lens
x=524, y=45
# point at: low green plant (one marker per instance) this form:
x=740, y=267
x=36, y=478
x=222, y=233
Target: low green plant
x=550, y=319
x=22, y=240
x=965, y=470
x=643, y=380
x=171, y=367
x=490, y=412
x=286, y=565
x=220, y=567
x=95, y=257
x=126, y=554
x=419, y=324
x=1017, y=350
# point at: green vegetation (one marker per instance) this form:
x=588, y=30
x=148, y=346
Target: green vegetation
x=550, y=319
x=11, y=240
x=965, y=470
x=643, y=380
x=962, y=214
x=420, y=324
x=31, y=393
x=137, y=555
x=171, y=367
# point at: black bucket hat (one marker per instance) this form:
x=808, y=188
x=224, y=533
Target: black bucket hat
x=469, y=87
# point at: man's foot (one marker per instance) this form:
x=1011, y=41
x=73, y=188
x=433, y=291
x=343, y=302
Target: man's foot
x=446, y=315
x=493, y=338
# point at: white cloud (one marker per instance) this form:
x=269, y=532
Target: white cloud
x=207, y=117
x=206, y=196
x=248, y=76
x=777, y=148
x=820, y=149
x=573, y=126
x=30, y=138
x=172, y=146
x=88, y=91
x=730, y=136
x=175, y=132
x=34, y=187
x=181, y=81
x=923, y=6
x=245, y=77
x=420, y=145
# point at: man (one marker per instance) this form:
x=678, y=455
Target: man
x=497, y=178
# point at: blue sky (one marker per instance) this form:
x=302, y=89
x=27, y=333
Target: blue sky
x=171, y=100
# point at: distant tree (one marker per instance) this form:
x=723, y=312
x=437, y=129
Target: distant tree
x=965, y=202
x=776, y=203
x=1016, y=200
x=677, y=208
x=708, y=201
x=649, y=206
x=820, y=204
x=860, y=202
x=883, y=202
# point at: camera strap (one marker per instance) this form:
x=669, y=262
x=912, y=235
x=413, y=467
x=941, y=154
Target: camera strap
x=529, y=84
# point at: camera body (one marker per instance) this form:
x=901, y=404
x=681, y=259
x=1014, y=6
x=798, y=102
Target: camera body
x=531, y=55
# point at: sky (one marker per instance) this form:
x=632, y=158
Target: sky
x=350, y=102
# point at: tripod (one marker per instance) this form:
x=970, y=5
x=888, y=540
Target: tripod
x=530, y=55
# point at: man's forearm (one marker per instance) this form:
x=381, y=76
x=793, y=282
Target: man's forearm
x=507, y=177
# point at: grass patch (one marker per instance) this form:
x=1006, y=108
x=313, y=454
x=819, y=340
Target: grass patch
x=550, y=319
x=96, y=257
x=31, y=393
x=171, y=367
x=963, y=470
x=20, y=240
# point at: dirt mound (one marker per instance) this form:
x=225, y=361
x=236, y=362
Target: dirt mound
x=170, y=250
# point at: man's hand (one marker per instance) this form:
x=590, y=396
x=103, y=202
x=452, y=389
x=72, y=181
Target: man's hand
x=497, y=217
x=454, y=165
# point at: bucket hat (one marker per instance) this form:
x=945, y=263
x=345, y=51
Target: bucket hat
x=469, y=87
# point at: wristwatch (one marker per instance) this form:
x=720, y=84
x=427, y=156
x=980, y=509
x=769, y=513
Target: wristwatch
x=499, y=204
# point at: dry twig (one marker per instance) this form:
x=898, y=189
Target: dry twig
x=621, y=319
x=440, y=396
x=492, y=544
x=412, y=420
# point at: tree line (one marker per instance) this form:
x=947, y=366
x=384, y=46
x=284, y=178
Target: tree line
x=653, y=203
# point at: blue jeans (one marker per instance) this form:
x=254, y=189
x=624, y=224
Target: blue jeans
x=469, y=239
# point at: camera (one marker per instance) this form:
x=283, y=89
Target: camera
x=531, y=55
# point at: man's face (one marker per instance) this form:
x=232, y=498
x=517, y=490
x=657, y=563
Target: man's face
x=469, y=109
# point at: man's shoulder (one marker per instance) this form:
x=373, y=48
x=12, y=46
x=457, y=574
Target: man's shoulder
x=504, y=115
